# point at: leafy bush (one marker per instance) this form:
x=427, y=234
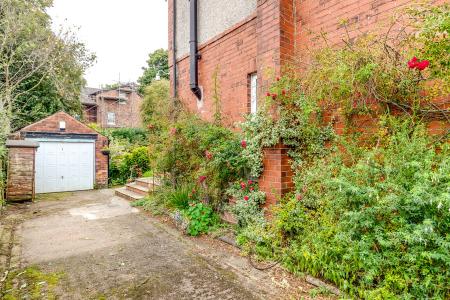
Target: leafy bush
x=201, y=218
x=376, y=226
x=180, y=197
x=136, y=136
x=248, y=200
x=130, y=164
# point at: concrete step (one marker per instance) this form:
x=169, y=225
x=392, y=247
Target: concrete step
x=127, y=194
x=138, y=189
x=147, y=182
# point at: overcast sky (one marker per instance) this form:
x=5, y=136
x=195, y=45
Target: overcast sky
x=120, y=32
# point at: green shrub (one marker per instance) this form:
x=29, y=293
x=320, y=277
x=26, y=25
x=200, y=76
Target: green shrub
x=180, y=197
x=378, y=225
x=132, y=164
x=201, y=218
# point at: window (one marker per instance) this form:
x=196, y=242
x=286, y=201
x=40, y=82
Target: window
x=253, y=92
x=123, y=96
x=111, y=118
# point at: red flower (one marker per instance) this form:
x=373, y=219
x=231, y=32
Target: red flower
x=268, y=94
x=278, y=78
x=208, y=155
x=250, y=182
x=252, y=189
x=244, y=144
x=412, y=64
x=243, y=186
x=274, y=96
x=299, y=197
x=246, y=198
x=283, y=92
x=201, y=179
x=173, y=131
x=422, y=65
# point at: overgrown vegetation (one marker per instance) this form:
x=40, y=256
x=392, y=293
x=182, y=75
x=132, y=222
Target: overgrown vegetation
x=371, y=208
x=370, y=211
x=198, y=160
x=128, y=153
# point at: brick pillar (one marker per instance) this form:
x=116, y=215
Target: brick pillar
x=275, y=38
x=21, y=170
x=276, y=179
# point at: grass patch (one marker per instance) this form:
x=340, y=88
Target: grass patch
x=30, y=283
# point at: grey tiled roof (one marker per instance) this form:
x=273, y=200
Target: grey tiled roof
x=86, y=93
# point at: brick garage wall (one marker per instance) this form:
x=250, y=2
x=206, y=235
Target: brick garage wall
x=20, y=185
x=51, y=125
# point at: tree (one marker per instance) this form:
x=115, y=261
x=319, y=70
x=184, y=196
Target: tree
x=157, y=63
x=35, y=64
x=40, y=72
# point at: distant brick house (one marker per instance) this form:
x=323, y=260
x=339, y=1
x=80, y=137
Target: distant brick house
x=239, y=41
x=112, y=108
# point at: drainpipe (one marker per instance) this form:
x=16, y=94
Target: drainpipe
x=174, y=48
x=194, y=56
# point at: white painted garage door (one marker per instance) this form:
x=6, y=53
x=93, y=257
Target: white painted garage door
x=64, y=166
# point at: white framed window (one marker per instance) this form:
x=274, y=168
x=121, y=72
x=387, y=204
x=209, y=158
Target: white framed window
x=111, y=118
x=253, y=93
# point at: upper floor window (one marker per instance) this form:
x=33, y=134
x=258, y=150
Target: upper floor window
x=123, y=97
x=253, y=93
x=111, y=118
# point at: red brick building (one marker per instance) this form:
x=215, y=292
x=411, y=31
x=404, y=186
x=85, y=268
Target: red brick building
x=112, y=108
x=243, y=45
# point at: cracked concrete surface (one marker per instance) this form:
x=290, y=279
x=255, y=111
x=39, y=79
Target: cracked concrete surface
x=107, y=249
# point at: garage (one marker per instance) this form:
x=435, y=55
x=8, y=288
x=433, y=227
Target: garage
x=64, y=166
x=69, y=156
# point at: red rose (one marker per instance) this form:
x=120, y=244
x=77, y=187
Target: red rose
x=412, y=64
x=278, y=78
x=244, y=144
x=250, y=182
x=283, y=92
x=201, y=179
x=246, y=198
x=274, y=96
x=243, y=186
x=422, y=65
x=268, y=94
x=252, y=189
x=208, y=155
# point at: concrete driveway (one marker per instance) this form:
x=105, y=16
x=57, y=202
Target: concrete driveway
x=104, y=249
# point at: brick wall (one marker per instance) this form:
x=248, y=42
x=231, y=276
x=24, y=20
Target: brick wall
x=127, y=113
x=51, y=125
x=273, y=37
x=20, y=185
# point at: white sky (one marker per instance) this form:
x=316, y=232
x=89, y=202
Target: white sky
x=120, y=32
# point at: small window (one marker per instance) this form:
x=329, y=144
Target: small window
x=111, y=118
x=253, y=93
x=123, y=98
